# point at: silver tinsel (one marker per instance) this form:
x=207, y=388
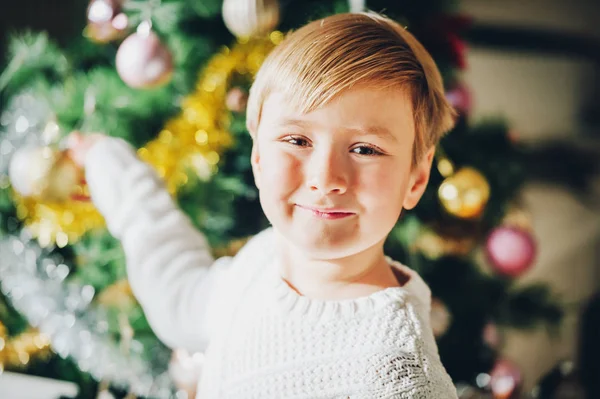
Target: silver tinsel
x=35, y=281
x=27, y=121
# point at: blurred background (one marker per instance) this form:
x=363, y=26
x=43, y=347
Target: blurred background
x=537, y=63
x=515, y=275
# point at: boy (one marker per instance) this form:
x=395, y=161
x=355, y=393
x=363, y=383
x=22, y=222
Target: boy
x=344, y=115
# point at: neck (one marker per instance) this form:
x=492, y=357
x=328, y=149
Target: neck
x=350, y=277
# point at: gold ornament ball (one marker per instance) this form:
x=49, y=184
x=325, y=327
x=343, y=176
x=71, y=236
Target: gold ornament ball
x=44, y=173
x=465, y=194
x=248, y=18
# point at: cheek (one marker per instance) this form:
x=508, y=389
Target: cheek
x=382, y=188
x=281, y=173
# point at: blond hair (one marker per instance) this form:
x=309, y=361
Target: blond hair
x=326, y=57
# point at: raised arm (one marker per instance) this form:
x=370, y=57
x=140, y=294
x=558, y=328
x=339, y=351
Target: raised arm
x=169, y=266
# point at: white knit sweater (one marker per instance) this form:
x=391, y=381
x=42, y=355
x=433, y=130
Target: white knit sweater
x=262, y=339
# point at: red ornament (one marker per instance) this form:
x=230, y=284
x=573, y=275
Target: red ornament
x=457, y=50
x=506, y=380
x=510, y=250
x=442, y=36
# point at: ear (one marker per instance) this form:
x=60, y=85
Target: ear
x=255, y=161
x=251, y=127
x=419, y=177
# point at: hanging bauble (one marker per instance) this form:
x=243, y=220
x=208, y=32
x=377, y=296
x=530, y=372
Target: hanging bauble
x=510, y=250
x=106, y=22
x=186, y=369
x=460, y=98
x=248, y=18
x=465, y=193
x=236, y=100
x=505, y=382
x=440, y=317
x=46, y=174
x=143, y=61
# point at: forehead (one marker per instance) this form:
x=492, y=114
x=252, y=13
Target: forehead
x=364, y=108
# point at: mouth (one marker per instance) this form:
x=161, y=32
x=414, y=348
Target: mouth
x=327, y=213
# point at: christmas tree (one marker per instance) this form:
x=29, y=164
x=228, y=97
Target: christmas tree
x=171, y=77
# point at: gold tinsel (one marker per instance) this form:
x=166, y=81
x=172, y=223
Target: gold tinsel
x=434, y=246
x=18, y=351
x=118, y=295
x=193, y=142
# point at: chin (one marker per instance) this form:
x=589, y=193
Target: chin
x=324, y=246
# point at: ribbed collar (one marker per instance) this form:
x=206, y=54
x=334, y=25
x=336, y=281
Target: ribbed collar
x=289, y=301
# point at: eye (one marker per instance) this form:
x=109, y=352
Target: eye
x=296, y=141
x=366, y=150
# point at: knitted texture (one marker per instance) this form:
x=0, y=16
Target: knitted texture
x=261, y=338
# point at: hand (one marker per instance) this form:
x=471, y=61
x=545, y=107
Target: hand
x=79, y=144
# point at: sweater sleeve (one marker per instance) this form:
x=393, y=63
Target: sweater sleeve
x=170, y=269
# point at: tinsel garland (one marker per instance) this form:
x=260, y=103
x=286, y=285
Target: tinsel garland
x=195, y=139
x=64, y=312
x=192, y=142
x=20, y=350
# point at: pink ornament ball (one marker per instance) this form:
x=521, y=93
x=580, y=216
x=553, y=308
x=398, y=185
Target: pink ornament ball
x=143, y=61
x=510, y=250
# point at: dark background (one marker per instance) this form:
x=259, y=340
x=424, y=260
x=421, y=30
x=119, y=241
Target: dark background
x=61, y=18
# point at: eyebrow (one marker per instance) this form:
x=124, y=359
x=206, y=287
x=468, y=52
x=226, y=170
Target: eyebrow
x=378, y=131
x=374, y=130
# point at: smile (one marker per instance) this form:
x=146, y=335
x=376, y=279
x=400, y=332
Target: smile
x=329, y=214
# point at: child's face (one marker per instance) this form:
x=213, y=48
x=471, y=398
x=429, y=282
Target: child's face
x=333, y=181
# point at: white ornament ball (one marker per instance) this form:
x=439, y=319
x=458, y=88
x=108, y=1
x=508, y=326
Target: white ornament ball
x=44, y=173
x=247, y=18
x=143, y=61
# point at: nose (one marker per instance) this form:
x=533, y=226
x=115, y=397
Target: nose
x=329, y=172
